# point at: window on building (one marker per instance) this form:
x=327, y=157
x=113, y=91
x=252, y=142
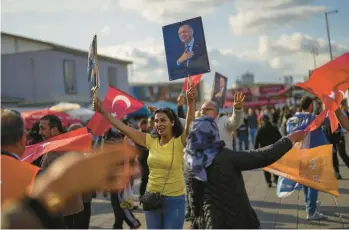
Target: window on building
x=69, y=77
x=112, y=76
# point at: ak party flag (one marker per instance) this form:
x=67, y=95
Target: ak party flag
x=310, y=167
x=92, y=65
x=77, y=140
x=329, y=83
x=118, y=104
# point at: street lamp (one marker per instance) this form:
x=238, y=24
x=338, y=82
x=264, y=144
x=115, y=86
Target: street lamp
x=328, y=30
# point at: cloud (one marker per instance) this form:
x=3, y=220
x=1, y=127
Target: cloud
x=131, y=27
x=148, y=57
x=292, y=53
x=105, y=30
x=150, y=62
x=166, y=11
x=11, y=6
x=255, y=16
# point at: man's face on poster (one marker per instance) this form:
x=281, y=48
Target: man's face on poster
x=185, y=33
x=221, y=83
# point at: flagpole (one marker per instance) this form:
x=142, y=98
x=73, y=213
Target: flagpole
x=97, y=72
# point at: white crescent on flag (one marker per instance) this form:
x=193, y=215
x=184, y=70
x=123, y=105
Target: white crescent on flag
x=122, y=98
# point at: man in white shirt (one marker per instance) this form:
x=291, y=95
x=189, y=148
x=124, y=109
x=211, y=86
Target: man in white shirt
x=226, y=125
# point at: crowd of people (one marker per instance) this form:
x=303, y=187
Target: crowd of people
x=189, y=165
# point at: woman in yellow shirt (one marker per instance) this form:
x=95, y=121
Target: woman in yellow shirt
x=165, y=160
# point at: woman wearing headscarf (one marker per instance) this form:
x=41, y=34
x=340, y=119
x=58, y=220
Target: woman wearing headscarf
x=216, y=188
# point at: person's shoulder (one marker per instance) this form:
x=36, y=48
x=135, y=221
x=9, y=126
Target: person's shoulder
x=178, y=141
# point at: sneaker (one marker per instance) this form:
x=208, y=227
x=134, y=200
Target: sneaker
x=316, y=216
x=270, y=185
x=338, y=176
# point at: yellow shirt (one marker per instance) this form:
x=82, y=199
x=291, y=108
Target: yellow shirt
x=159, y=161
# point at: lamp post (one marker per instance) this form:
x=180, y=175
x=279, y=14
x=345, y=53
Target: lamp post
x=328, y=30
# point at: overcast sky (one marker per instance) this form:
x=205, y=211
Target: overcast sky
x=270, y=38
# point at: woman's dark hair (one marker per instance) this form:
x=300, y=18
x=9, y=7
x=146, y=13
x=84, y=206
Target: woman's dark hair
x=177, y=128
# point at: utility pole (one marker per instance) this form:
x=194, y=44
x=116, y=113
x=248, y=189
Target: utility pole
x=328, y=31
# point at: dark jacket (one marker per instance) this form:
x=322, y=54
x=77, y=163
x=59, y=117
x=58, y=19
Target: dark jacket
x=268, y=134
x=180, y=111
x=222, y=202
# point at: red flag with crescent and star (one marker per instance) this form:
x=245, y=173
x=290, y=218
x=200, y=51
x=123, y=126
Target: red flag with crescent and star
x=195, y=79
x=118, y=104
x=329, y=83
x=77, y=140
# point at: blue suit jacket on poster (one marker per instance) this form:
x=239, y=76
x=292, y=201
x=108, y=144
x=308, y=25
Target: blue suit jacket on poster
x=197, y=64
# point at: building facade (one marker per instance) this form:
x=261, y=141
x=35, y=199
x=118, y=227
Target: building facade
x=153, y=92
x=37, y=72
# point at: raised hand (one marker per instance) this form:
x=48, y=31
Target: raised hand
x=238, y=100
x=191, y=94
x=152, y=109
x=297, y=136
x=180, y=100
x=97, y=105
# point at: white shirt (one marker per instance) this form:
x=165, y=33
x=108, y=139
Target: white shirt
x=226, y=125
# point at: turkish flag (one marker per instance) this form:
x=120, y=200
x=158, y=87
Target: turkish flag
x=118, y=104
x=329, y=83
x=77, y=140
x=195, y=79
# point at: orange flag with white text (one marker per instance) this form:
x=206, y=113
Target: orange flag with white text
x=310, y=167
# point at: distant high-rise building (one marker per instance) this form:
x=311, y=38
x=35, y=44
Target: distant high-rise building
x=247, y=78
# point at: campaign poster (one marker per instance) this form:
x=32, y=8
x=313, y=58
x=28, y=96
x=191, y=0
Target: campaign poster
x=185, y=49
x=219, y=89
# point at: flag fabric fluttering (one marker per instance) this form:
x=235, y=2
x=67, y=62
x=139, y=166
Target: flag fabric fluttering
x=77, y=140
x=118, y=104
x=329, y=83
x=92, y=65
x=286, y=187
x=195, y=80
x=310, y=167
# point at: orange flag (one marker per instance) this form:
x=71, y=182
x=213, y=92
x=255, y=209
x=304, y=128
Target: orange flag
x=310, y=167
x=77, y=140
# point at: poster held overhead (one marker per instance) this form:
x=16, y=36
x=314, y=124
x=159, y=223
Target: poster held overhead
x=219, y=89
x=92, y=68
x=185, y=48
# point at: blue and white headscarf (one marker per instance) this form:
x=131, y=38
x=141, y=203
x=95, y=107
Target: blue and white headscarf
x=203, y=144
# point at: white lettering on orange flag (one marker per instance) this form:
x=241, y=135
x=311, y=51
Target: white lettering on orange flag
x=310, y=167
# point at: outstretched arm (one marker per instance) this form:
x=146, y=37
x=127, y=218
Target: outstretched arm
x=191, y=96
x=343, y=120
x=260, y=158
x=235, y=121
x=236, y=118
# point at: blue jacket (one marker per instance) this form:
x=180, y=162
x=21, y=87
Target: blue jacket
x=300, y=121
